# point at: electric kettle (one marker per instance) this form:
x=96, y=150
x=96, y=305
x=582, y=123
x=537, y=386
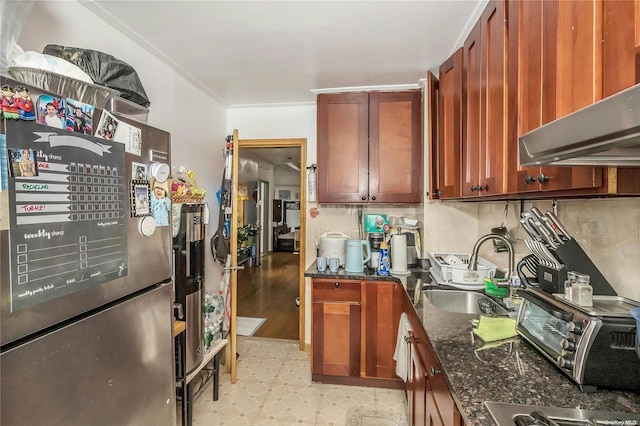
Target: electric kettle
x=358, y=252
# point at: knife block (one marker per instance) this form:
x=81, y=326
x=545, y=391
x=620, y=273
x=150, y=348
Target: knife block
x=575, y=259
x=552, y=280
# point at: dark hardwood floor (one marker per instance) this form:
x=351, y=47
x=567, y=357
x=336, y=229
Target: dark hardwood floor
x=269, y=291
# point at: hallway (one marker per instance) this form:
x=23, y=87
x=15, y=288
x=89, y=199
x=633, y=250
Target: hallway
x=269, y=291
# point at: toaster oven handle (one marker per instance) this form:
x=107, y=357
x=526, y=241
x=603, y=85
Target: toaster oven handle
x=565, y=316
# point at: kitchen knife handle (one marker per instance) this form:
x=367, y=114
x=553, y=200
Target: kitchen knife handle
x=558, y=225
x=536, y=212
x=547, y=223
x=532, y=233
x=546, y=236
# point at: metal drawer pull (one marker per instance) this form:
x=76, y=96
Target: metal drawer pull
x=433, y=371
x=336, y=285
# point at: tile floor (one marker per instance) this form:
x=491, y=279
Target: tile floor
x=274, y=387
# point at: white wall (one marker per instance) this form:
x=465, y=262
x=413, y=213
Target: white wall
x=197, y=127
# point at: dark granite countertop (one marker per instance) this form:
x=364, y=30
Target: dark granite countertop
x=479, y=372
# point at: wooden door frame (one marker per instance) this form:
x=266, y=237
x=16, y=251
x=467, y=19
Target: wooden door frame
x=277, y=143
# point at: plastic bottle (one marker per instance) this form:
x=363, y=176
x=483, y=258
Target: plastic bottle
x=385, y=263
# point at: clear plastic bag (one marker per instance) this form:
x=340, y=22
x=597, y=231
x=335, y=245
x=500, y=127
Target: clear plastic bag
x=14, y=14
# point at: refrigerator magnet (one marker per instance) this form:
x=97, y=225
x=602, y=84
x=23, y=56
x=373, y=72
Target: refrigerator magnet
x=140, y=195
x=147, y=226
x=138, y=171
x=160, y=202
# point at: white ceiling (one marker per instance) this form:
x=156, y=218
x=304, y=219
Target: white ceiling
x=275, y=52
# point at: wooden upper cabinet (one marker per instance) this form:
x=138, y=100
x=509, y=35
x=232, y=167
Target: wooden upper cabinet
x=431, y=132
x=472, y=137
x=486, y=112
x=364, y=139
x=449, y=127
x=620, y=70
x=559, y=71
x=395, y=147
x=343, y=147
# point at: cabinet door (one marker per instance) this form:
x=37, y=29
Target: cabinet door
x=336, y=339
x=444, y=407
x=450, y=126
x=433, y=87
x=472, y=138
x=432, y=413
x=335, y=331
x=395, y=147
x=418, y=387
x=382, y=316
x=556, y=43
x=343, y=147
x=620, y=70
x=496, y=115
x=486, y=104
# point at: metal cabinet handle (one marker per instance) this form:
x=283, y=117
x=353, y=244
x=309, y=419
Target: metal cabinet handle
x=336, y=285
x=542, y=178
x=529, y=179
x=373, y=197
x=364, y=198
x=410, y=337
x=433, y=371
x=478, y=188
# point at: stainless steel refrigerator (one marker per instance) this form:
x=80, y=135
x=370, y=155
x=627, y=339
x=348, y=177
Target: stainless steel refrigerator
x=86, y=289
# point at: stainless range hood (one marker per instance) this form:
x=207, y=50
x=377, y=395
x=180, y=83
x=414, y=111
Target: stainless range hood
x=606, y=133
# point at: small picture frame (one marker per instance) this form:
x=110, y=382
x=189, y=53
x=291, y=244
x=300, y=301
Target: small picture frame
x=51, y=111
x=140, y=198
x=107, y=126
x=284, y=194
x=79, y=117
x=23, y=163
x=138, y=171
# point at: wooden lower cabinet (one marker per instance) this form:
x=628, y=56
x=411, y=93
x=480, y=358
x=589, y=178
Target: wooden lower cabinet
x=382, y=315
x=354, y=331
x=353, y=337
x=336, y=328
x=429, y=399
x=416, y=386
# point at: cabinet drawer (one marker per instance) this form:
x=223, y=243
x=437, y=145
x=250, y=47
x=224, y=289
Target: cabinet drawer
x=336, y=291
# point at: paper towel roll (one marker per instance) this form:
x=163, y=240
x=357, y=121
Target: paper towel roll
x=399, y=254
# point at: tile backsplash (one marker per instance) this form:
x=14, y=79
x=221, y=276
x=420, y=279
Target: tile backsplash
x=607, y=229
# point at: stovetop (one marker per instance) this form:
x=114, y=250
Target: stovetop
x=505, y=414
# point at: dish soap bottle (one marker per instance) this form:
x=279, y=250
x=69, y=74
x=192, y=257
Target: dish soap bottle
x=384, y=265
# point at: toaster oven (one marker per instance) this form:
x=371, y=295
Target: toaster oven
x=594, y=346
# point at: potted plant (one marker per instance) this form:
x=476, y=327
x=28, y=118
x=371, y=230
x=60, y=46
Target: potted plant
x=246, y=234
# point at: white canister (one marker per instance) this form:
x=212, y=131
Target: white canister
x=332, y=244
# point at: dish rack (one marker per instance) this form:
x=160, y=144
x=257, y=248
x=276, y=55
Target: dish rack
x=452, y=268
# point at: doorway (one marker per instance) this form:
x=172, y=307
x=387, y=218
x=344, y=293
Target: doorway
x=264, y=201
x=273, y=264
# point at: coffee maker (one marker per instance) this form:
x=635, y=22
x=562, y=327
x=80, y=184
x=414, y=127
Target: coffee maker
x=375, y=238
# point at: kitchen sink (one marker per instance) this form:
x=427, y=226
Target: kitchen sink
x=464, y=302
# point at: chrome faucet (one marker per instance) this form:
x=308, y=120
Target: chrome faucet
x=473, y=261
